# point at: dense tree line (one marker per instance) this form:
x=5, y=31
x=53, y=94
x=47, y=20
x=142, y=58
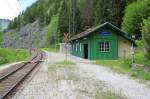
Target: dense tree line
x=74, y=15
x=42, y=10
x=134, y=15
x=136, y=21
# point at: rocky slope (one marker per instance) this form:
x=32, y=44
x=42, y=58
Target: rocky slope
x=30, y=35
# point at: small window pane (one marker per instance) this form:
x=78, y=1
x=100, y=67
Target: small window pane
x=76, y=47
x=80, y=47
x=104, y=46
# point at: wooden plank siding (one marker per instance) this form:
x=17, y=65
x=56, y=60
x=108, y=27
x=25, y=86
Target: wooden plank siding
x=94, y=38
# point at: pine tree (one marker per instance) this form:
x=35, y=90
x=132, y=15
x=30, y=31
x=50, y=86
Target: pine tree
x=63, y=20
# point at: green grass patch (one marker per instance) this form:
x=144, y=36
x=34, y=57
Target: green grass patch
x=51, y=49
x=63, y=70
x=8, y=55
x=65, y=62
x=124, y=66
x=108, y=95
x=117, y=65
x=140, y=58
x=62, y=64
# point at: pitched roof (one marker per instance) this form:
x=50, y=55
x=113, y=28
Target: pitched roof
x=91, y=30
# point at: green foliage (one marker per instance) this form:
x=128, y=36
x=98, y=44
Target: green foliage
x=63, y=24
x=139, y=73
x=51, y=35
x=108, y=95
x=82, y=14
x=117, y=65
x=51, y=49
x=41, y=10
x=74, y=16
x=109, y=10
x=134, y=15
x=65, y=62
x=140, y=44
x=146, y=36
x=124, y=65
x=1, y=38
x=12, y=55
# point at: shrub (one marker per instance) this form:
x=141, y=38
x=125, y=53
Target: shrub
x=12, y=55
x=134, y=15
x=146, y=36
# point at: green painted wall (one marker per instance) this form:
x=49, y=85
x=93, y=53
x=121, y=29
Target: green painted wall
x=93, y=45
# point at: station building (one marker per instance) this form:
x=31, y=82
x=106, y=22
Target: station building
x=104, y=42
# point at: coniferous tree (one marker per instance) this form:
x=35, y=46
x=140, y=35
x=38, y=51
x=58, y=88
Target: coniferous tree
x=63, y=20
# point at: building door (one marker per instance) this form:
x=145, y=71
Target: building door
x=86, y=51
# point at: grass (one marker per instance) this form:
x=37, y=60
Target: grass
x=108, y=95
x=65, y=63
x=63, y=70
x=62, y=64
x=117, y=65
x=124, y=66
x=51, y=49
x=9, y=55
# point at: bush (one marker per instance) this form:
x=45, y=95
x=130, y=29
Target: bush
x=146, y=36
x=134, y=15
x=52, y=30
x=12, y=55
x=3, y=60
x=139, y=73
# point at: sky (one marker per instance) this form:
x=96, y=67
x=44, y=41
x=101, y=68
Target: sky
x=9, y=9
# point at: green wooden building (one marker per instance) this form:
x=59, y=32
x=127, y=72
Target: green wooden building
x=104, y=42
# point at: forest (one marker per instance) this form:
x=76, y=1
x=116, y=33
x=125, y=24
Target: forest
x=75, y=16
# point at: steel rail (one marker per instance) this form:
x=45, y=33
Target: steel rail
x=13, y=79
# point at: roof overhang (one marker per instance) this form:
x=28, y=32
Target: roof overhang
x=91, y=30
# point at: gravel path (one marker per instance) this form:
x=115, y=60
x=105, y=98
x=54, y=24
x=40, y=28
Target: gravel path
x=87, y=80
x=119, y=83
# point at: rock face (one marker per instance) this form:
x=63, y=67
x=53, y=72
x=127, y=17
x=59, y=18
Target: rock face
x=4, y=23
x=31, y=35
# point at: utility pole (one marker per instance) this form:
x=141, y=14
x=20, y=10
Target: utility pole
x=73, y=16
x=70, y=17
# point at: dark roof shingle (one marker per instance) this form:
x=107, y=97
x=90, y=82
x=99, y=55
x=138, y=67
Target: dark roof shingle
x=91, y=30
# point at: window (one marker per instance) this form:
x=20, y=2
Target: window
x=76, y=46
x=72, y=46
x=104, y=46
x=80, y=47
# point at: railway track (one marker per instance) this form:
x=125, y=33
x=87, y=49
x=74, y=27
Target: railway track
x=13, y=76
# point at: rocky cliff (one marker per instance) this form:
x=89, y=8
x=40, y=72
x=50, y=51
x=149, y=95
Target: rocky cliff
x=30, y=35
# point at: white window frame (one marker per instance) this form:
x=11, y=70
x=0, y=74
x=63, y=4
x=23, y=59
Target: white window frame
x=80, y=47
x=72, y=46
x=76, y=46
x=106, y=46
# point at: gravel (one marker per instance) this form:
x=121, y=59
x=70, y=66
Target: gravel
x=90, y=79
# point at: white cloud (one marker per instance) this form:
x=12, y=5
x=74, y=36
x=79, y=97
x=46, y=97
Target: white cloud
x=9, y=9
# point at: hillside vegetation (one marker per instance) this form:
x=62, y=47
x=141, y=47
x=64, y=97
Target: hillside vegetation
x=8, y=55
x=44, y=23
x=73, y=16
